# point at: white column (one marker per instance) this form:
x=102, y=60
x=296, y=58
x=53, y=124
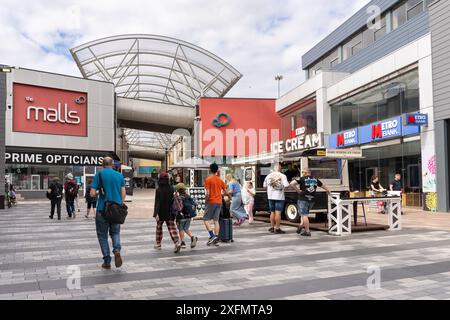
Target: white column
x=428, y=133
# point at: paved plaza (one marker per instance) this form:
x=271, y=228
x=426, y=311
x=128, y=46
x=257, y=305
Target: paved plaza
x=37, y=256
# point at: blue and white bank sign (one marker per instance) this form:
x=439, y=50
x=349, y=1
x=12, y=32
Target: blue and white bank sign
x=384, y=130
x=416, y=119
x=344, y=139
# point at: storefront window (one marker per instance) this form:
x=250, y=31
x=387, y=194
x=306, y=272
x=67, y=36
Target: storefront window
x=37, y=178
x=325, y=170
x=385, y=161
x=304, y=117
x=393, y=98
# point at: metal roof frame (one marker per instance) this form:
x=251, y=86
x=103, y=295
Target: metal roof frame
x=134, y=63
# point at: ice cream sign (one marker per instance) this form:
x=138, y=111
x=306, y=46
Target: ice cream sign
x=301, y=142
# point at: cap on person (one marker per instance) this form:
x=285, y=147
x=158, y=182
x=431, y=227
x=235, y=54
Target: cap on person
x=69, y=176
x=180, y=186
x=164, y=175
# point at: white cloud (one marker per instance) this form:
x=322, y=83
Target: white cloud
x=261, y=38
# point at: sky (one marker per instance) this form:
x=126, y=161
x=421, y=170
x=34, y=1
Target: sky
x=260, y=38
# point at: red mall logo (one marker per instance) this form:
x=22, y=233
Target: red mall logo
x=49, y=111
x=377, y=132
x=340, y=140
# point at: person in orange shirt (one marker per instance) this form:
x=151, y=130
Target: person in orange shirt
x=215, y=187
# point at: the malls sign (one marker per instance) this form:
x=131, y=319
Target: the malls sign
x=49, y=111
x=301, y=142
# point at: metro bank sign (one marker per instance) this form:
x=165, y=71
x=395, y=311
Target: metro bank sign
x=378, y=131
x=49, y=111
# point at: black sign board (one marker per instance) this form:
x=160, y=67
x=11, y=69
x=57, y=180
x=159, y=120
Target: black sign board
x=54, y=159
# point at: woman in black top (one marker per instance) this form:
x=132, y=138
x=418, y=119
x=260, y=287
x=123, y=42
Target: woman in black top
x=377, y=189
x=376, y=186
x=163, y=212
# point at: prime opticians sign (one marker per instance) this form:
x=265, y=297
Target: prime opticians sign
x=49, y=111
x=302, y=142
x=52, y=159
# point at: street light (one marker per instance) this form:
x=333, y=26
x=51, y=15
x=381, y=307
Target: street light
x=279, y=78
x=6, y=70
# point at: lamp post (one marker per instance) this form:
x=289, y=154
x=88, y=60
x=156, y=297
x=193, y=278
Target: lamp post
x=279, y=78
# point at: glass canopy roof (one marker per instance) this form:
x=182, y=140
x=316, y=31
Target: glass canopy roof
x=155, y=68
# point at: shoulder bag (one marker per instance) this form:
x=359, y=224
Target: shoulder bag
x=113, y=212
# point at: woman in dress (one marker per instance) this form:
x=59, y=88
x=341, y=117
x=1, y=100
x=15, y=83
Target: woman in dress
x=237, y=207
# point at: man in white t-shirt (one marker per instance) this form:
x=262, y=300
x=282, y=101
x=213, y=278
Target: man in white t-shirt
x=275, y=183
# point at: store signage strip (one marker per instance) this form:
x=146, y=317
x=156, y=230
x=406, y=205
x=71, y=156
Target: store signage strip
x=378, y=131
x=416, y=119
x=52, y=159
x=302, y=142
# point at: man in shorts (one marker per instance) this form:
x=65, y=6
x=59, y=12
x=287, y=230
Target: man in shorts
x=306, y=187
x=275, y=183
x=214, y=187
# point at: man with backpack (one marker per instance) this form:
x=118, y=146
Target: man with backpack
x=186, y=210
x=54, y=194
x=71, y=193
x=275, y=183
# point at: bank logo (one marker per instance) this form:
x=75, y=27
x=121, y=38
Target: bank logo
x=377, y=133
x=347, y=138
x=340, y=140
x=387, y=129
x=222, y=120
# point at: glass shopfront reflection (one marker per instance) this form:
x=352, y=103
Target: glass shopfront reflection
x=388, y=100
x=385, y=160
x=36, y=178
x=304, y=117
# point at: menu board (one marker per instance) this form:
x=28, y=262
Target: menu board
x=199, y=196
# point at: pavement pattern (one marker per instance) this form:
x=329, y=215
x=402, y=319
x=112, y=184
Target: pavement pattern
x=38, y=256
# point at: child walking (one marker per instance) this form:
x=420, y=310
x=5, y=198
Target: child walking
x=185, y=215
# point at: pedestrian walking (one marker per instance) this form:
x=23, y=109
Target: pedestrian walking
x=306, y=187
x=275, y=183
x=185, y=215
x=215, y=187
x=110, y=186
x=163, y=212
x=237, y=207
x=55, y=194
x=248, y=198
x=70, y=194
x=91, y=201
x=144, y=186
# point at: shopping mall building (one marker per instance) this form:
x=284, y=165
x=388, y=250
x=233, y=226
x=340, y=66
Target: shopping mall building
x=381, y=86
x=384, y=90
